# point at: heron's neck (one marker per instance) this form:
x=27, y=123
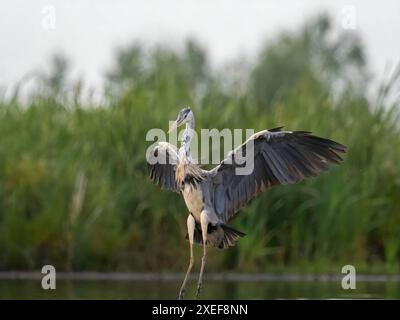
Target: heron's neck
x=184, y=150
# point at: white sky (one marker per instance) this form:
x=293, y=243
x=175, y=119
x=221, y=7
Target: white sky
x=88, y=31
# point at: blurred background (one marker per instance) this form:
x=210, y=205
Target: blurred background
x=81, y=83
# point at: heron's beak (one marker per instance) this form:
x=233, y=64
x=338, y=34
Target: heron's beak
x=173, y=126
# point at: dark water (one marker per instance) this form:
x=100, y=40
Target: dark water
x=106, y=289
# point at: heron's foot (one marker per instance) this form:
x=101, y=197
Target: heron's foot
x=198, y=291
x=181, y=294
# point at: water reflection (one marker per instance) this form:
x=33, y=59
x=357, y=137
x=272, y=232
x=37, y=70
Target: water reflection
x=94, y=289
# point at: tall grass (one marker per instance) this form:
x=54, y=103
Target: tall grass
x=119, y=220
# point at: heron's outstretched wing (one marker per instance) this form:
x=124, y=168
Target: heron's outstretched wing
x=162, y=161
x=280, y=157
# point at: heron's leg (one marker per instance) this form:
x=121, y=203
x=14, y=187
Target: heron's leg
x=190, y=227
x=204, y=225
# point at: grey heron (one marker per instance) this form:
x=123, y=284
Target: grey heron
x=214, y=196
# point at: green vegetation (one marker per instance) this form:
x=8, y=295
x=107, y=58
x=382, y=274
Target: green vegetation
x=74, y=190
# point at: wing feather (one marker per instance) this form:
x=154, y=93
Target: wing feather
x=161, y=163
x=280, y=157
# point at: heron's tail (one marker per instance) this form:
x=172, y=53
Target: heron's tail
x=219, y=236
x=230, y=237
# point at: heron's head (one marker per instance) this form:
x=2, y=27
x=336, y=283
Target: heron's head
x=184, y=116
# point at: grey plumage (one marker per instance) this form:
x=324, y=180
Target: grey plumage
x=163, y=172
x=213, y=197
x=280, y=157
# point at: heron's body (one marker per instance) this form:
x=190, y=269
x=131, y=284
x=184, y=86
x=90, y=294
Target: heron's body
x=199, y=202
x=194, y=199
x=191, y=181
x=214, y=197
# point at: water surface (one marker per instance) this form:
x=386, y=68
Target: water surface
x=270, y=288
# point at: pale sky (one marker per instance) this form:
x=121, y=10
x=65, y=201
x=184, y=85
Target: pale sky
x=88, y=31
